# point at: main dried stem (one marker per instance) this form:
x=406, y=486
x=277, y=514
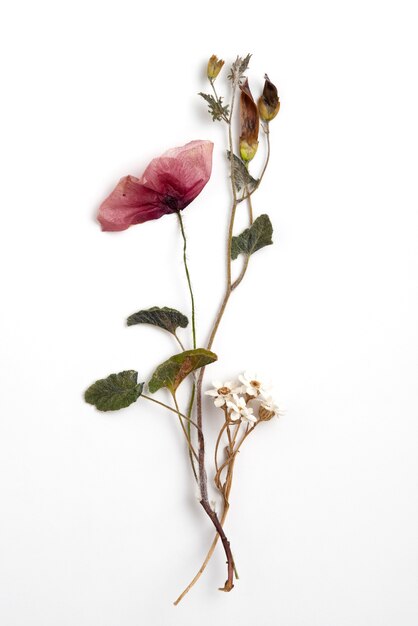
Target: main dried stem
x=229, y=288
x=226, y=494
x=203, y=482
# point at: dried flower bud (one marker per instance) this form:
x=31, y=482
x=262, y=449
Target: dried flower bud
x=264, y=414
x=214, y=66
x=248, y=141
x=268, y=103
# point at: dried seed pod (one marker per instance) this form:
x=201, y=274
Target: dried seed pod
x=264, y=414
x=248, y=141
x=268, y=103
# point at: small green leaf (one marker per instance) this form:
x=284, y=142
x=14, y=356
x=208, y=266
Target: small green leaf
x=117, y=391
x=168, y=319
x=242, y=177
x=253, y=238
x=217, y=110
x=173, y=371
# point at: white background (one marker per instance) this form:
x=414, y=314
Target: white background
x=100, y=524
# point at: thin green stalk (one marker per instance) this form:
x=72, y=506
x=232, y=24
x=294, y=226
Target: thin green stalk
x=224, y=117
x=192, y=451
x=188, y=426
x=263, y=171
x=181, y=416
x=179, y=341
x=189, y=282
x=247, y=258
x=170, y=408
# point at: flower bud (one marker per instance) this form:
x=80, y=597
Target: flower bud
x=268, y=103
x=214, y=67
x=249, y=122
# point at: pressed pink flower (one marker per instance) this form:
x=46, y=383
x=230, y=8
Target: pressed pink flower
x=168, y=185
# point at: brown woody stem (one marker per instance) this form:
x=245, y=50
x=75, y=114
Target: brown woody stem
x=203, y=481
x=229, y=583
x=226, y=494
x=230, y=286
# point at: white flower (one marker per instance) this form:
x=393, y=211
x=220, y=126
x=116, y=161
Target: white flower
x=240, y=410
x=269, y=404
x=251, y=385
x=222, y=392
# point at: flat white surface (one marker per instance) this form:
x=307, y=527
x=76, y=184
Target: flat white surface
x=100, y=524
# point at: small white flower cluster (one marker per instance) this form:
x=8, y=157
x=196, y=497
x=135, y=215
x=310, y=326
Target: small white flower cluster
x=234, y=398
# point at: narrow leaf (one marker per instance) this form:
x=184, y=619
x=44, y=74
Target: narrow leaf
x=168, y=319
x=173, y=371
x=217, y=110
x=252, y=239
x=117, y=391
x=242, y=177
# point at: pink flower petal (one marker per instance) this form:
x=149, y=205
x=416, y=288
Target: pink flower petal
x=168, y=185
x=129, y=203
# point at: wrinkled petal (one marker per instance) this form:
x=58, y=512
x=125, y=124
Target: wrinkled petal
x=130, y=203
x=181, y=173
x=168, y=185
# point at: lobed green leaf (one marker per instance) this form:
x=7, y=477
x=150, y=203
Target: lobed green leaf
x=166, y=318
x=257, y=236
x=115, y=392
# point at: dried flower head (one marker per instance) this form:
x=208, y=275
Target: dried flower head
x=168, y=185
x=222, y=392
x=267, y=409
x=251, y=385
x=239, y=410
x=214, y=67
x=268, y=103
x=249, y=124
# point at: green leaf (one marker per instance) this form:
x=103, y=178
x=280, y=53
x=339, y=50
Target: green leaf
x=168, y=319
x=216, y=109
x=253, y=238
x=242, y=177
x=117, y=391
x=173, y=371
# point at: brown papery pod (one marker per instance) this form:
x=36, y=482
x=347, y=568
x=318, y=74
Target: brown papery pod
x=248, y=141
x=264, y=415
x=268, y=103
